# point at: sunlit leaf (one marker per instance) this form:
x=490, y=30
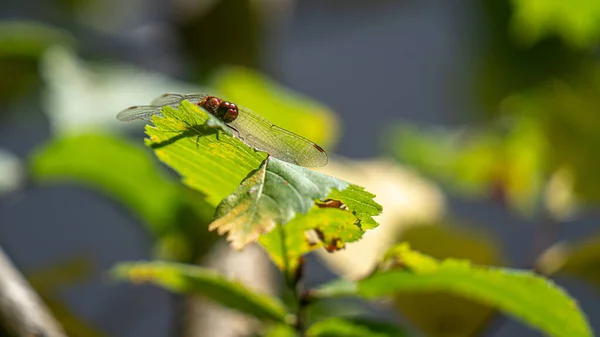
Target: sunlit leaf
x=208, y=160
x=576, y=22
x=284, y=108
x=208, y=283
x=521, y=294
x=338, y=327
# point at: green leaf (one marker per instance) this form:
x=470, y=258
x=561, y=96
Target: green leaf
x=114, y=166
x=187, y=279
x=338, y=327
x=272, y=195
x=278, y=104
x=432, y=312
x=361, y=203
x=576, y=22
x=207, y=159
x=335, y=227
x=521, y=294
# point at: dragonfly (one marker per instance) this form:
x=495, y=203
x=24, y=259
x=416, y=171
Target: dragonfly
x=249, y=127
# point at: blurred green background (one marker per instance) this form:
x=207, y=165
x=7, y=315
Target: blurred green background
x=477, y=124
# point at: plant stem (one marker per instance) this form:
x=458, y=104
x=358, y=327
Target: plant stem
x=22, y=312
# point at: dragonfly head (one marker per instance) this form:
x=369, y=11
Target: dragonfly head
x=211, y=103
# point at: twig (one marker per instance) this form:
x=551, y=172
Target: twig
x=22, y=313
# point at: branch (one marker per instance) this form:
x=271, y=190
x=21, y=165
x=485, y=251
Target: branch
x=22, y=313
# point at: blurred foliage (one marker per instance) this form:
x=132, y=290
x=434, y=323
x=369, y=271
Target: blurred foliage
x=222, y=34
x=441, y=313
x=579, y=259
x=544, y=125
x=208, y=283
x=576, y=22
x=80, y=96
x=22, y=43
x=505, y=67
x=506, y=160
x=127, y=173
x=48, y=283
x=279, y=105
x=11, y=172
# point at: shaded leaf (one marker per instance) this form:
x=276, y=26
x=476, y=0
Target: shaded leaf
x=210, y=284
x=521, y=294
x=336, y=227
x=272, y=195
x=338, y=327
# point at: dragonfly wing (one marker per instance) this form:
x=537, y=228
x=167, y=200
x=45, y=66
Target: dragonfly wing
x=168, y=99
x=263, y=135
x=144, y=113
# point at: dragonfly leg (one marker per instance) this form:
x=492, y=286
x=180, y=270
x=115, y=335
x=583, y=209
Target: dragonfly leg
x=236, y=132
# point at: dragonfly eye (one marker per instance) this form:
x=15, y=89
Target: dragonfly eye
x=211, y=104
x=227, y=112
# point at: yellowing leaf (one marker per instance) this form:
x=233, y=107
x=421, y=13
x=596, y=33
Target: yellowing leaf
x=334, y=225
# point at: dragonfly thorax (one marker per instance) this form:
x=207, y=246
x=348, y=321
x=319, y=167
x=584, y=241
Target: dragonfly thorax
x=225, y=111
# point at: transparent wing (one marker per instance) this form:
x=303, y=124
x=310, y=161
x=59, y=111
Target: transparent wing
x=174, y=100
x=143, y=112
x=263, y=135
